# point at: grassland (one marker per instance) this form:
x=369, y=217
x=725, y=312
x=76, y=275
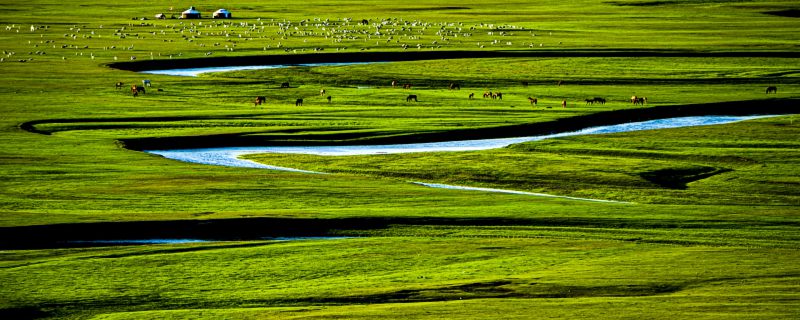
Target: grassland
x=710, y=231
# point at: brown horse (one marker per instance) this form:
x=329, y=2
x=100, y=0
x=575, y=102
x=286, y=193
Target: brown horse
x=472, y=95
x=136, y=89
x=487, y=94
x=772, y=89
x=533, y=101
x=411, y=97
x=407, y=86
x=260, y=100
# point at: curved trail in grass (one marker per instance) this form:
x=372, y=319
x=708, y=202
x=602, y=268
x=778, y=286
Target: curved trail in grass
x=231, y=156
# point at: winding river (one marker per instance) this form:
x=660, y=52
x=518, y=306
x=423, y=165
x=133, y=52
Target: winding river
x=231, y=156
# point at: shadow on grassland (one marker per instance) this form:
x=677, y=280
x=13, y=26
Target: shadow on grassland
x=145, y=65
x=289, y=138
x=244, y=229
x=737, y=108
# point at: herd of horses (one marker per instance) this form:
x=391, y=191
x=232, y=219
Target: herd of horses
x=635, y=100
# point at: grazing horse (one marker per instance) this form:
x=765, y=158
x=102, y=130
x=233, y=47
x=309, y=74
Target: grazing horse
x=411, y=97
x=634, y=99
x=321, y=92
x=260, y=100
x=407, y=86
x=599, y=100
x=639, y=100
x=497, y=95
x=146, y=83
x=533, y=101
x=329, y=99
x=285, y=85
x=136, y=89
x=564, y=103
x=472, y=95
x=394, y=83
x=589, y=101
x=120, y=85
x=298, y=103
x=455, y=86
x=487, y=94
x=772, y=89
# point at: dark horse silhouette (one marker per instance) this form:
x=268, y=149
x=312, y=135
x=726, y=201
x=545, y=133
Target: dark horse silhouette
x=455, y=86
x=772, y=89
x=260, y=100
x=533, y=101
x=298, y=103
x=285, y=85
x=411, y=97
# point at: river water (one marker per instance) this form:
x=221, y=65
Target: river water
x=230, y=156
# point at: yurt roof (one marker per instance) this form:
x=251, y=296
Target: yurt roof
x=191, y=10
x=221, y=11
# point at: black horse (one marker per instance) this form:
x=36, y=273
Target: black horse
x=772, y=89
x=298, y=103
x=285, y=85
x=411, y=97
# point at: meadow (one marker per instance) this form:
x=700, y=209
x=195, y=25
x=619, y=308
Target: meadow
x=708, y=228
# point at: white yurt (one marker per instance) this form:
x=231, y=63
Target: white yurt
x=191, y=13
x=222, y=14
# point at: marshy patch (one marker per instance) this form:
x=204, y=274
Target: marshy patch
x=790, y=13
x=678, y=178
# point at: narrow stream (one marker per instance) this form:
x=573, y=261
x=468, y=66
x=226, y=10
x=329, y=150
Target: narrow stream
x=230, y=156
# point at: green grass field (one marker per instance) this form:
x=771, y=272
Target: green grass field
x=709, y=229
